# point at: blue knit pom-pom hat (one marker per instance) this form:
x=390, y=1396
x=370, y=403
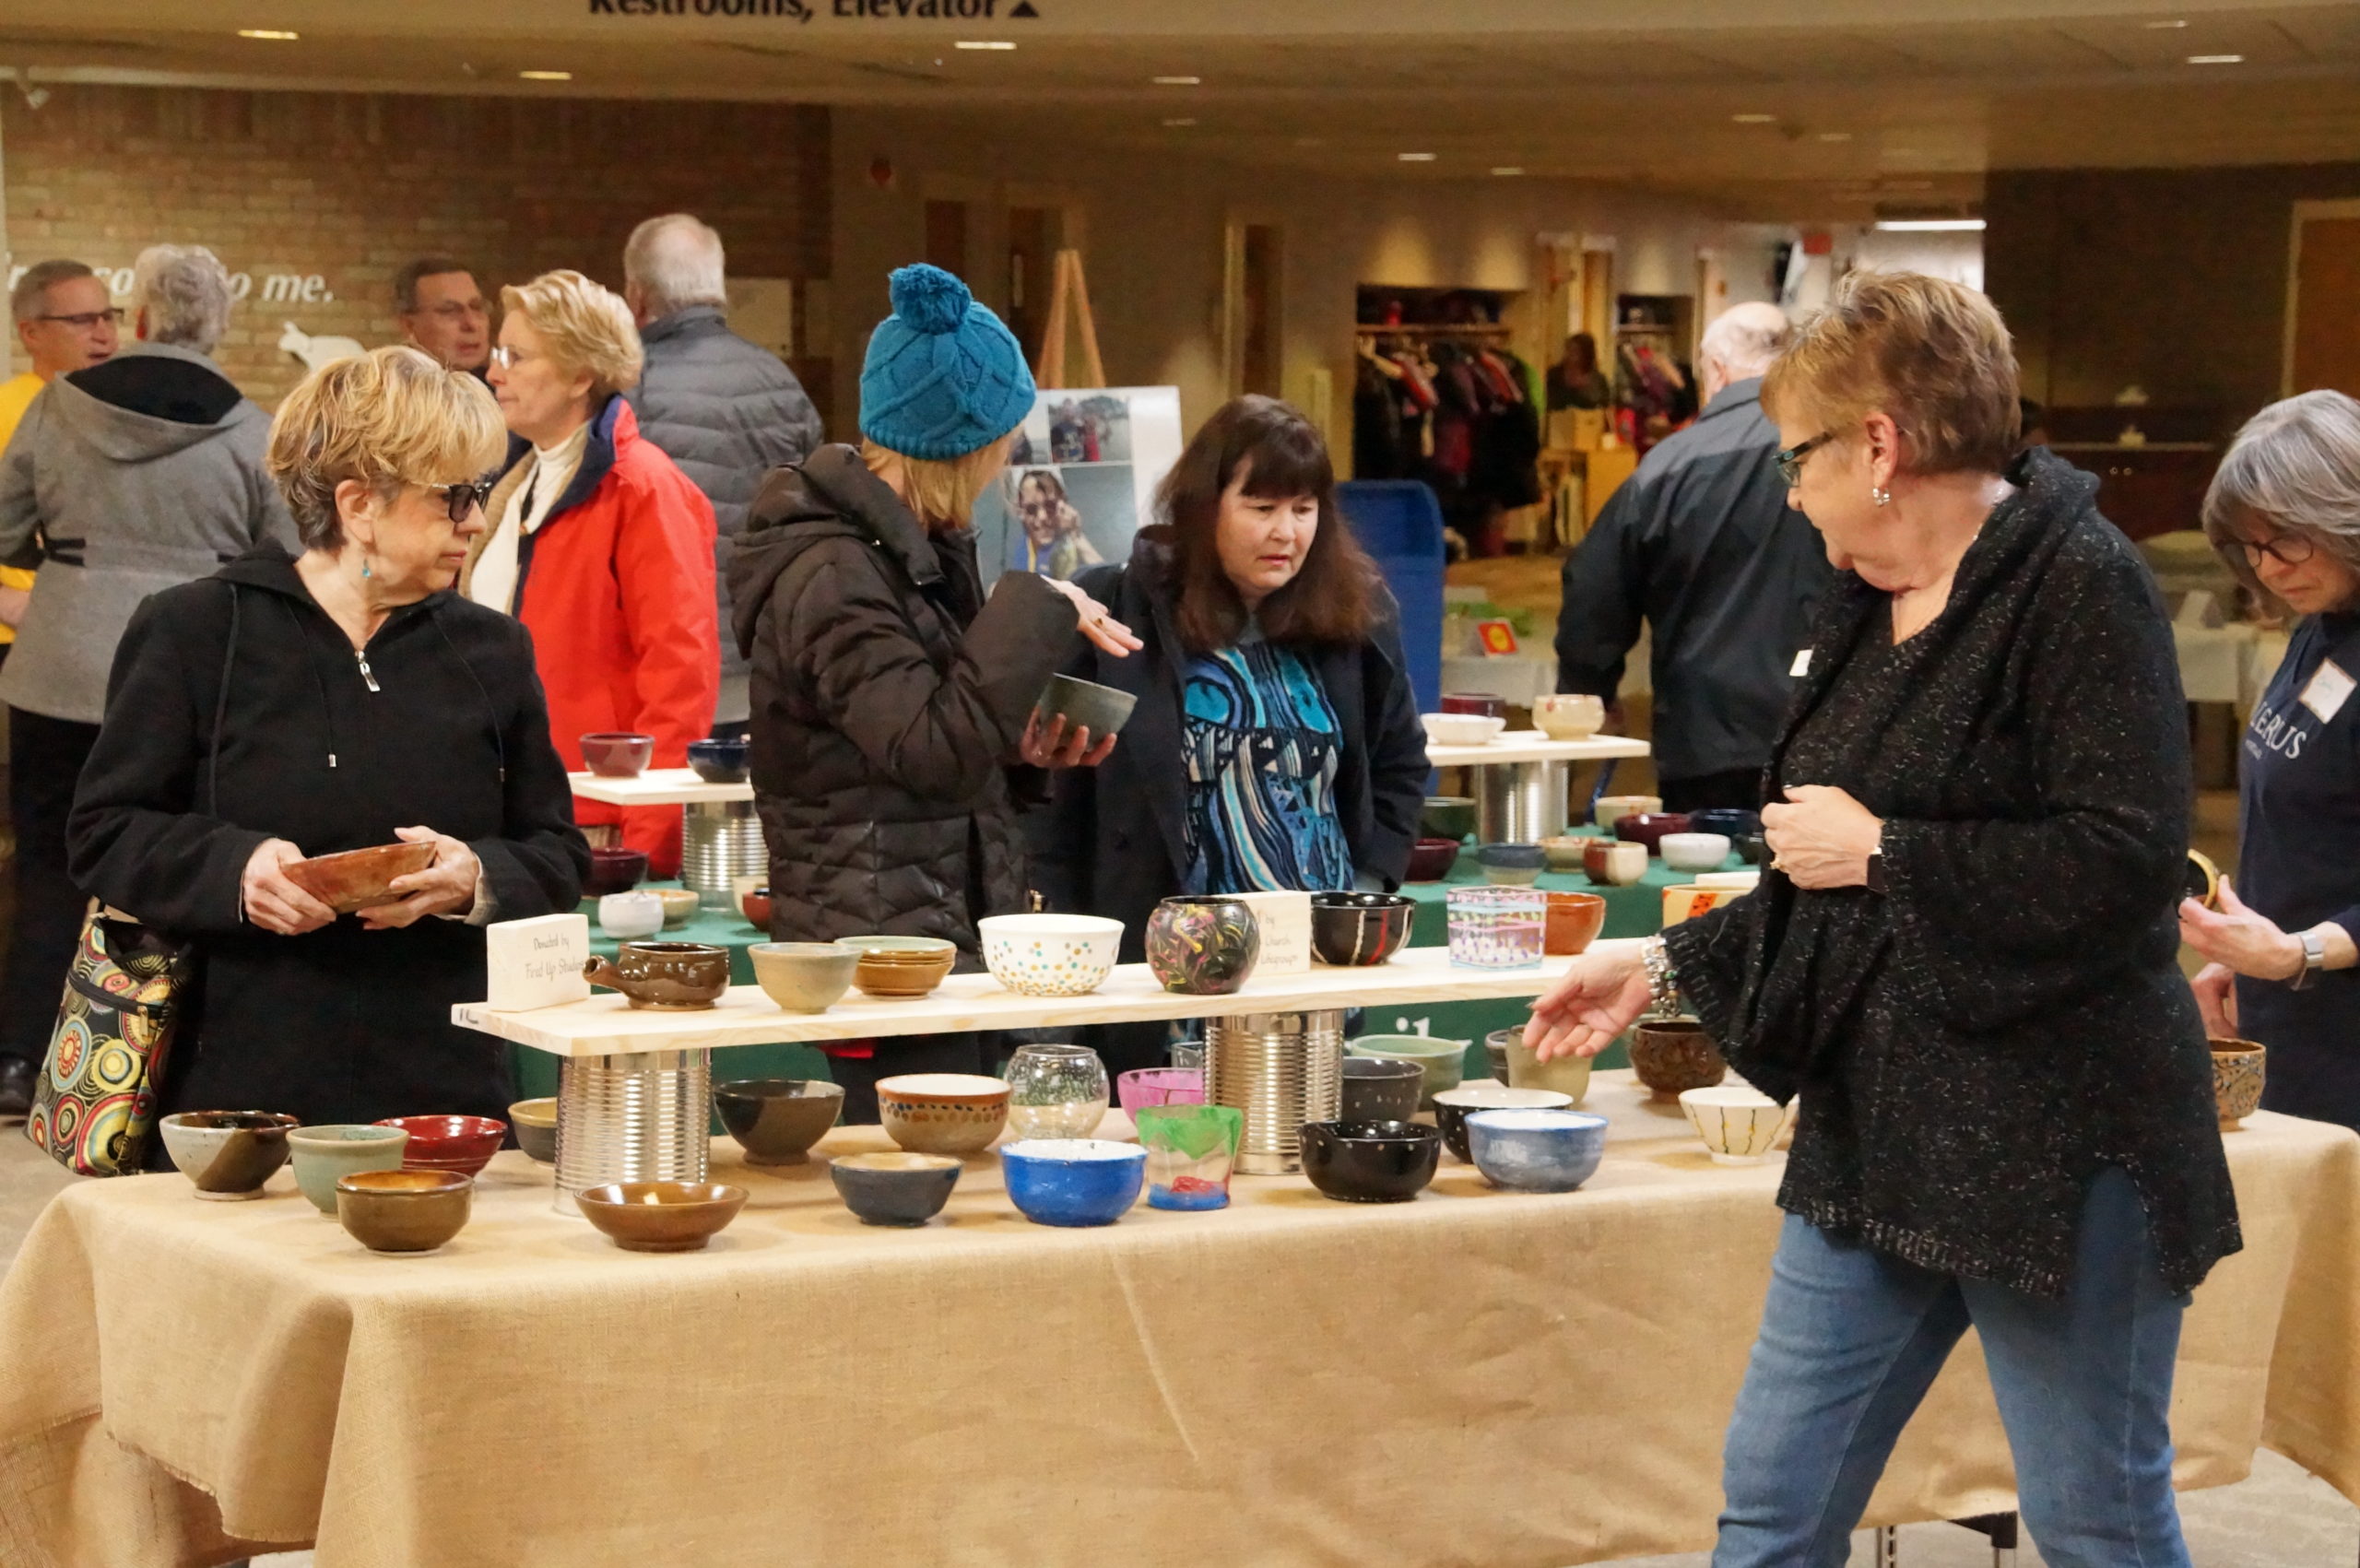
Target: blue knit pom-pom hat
x=944, y=376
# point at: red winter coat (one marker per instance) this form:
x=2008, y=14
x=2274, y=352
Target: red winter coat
x=616, y=587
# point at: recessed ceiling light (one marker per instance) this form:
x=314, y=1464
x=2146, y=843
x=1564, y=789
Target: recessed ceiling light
x=1508, y=171
x=999, y=45
x=2166, y=24
x=1754, y=119
x=1836, y=135
x=1179, y=81
x=1181, y=123
x=1415, y=156
x=277, y=34
x=1933, y=225
x=2216, y=59
x=547, y=76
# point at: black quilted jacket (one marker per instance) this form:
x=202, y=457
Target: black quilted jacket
x=888, y=701
x=2009, y=1018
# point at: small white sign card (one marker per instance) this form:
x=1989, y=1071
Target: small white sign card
x=1284, y=920
x=536, y=963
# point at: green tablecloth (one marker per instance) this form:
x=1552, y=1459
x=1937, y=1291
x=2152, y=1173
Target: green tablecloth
x=1636, y=910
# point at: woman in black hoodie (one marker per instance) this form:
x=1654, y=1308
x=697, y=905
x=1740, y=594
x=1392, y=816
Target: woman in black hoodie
x=289, y=707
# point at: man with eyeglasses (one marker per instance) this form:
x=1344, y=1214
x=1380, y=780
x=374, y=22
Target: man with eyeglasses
x=65, y=322
x=439, y=310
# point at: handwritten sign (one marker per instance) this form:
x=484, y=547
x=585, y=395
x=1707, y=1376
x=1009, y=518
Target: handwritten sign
x=1284, y=919
x=537, y=962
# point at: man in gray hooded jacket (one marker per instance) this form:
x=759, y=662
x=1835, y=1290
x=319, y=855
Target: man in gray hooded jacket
x=133, y=476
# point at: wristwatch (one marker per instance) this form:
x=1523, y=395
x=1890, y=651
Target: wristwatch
x=2314, y=961
x=1876, y=870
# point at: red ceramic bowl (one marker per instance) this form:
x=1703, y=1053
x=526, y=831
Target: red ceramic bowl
x=1431, y=859
x=1649, y=826
x=358, y=879
x=464, y=1144
x=614, y=870
x=756, y=907
x=1482, y=702
x=614, y=755
x=1573, y=922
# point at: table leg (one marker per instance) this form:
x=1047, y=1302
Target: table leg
x=639, y=1117
x=720, y=842
x=1281, y=1069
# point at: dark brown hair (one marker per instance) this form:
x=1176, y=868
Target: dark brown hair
x=1280, y=455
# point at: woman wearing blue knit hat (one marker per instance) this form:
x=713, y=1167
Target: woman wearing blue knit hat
x=890, y=699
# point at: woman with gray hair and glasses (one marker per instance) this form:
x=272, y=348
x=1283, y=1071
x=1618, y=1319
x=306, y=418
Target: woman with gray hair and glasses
x=2284, y=512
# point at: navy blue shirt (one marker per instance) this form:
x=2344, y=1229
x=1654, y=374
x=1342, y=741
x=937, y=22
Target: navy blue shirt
x=2300, y=864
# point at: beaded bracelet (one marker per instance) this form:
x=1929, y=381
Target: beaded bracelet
x=1663, y=979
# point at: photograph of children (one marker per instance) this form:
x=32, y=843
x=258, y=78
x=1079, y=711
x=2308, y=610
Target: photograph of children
x=1048, y=539
x=1079, y=482
x=1090, y=428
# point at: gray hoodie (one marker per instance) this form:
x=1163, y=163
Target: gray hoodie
x=131, y=477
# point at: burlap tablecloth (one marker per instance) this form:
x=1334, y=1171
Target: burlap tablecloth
x=1473, y=1378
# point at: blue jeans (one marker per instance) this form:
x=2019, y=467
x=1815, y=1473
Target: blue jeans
x=1851, y=1339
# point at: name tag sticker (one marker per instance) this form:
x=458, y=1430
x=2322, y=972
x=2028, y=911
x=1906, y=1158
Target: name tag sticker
x=2326, y=693
x=1801, y=666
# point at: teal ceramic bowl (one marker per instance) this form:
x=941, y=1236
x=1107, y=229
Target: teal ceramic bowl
x=323, y=1154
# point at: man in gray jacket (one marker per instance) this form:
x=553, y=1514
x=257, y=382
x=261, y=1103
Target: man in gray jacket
x=136, y=475
x=727, y=411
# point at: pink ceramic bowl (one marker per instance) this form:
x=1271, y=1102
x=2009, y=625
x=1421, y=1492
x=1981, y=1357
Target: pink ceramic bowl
x=615, y=755
x=464, y=1144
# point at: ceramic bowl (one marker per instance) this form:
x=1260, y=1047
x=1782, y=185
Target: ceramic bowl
x=1610, y=863
x=1744, y=879
x=2237, y=1070
x=942, y=1112
x=1073, y=1181
x=1495, y=1052
x=1569, y=716
x=1444, y=1061
x=404, y=1211
x=1431, y=859
x=1102, y=710
x=1730, y=821
x=661, y=1216
x=776, y=1120
x=1050, y=955
x=1448, y=816
x=902, y=1190
x=323, y=1154
x=1370, y=1162
x=1573, y=922
x=1486, y=703
x=1451, y=1108
x=1512, y=865
x=1694, y=852
x=1649, y=826
x=1202, y=945
x=629, y=916
x=681, y=905
x=675, y=977
x=358, y=878
x=900, y=968
x=1740, y=1124
x=1461, y=729
x=228, y=1154
x=1562, y=1075
x=754, y=903
x=535, y=1124
x=719, y=761
x=1142, y=1087
x=1676, y=1055
x=1381, y=1089
x=1533, y=1150
x=614, y=869
x=803, y=977
x=464, y=1144
x=1608, y=808
x=1357, y=930
x=1750, y=848
x=1564, y=854
x=614, y=755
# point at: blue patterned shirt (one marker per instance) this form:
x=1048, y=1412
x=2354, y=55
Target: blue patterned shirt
x=1260, y=748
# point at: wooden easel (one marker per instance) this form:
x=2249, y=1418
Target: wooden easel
x=1068, y=289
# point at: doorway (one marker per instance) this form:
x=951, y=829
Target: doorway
x=2323, y=299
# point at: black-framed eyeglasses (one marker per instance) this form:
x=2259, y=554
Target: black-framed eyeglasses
x=461, y=499
x=2286, y=549
x=1790, y=460
x=85, y=319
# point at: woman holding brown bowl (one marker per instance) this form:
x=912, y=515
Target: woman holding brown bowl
x=291, y=707
x=1961, y=957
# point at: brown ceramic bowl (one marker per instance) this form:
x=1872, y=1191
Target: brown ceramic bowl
x=1573, y=923
x=664, y=976
x=614, y=755
x=1431, y=859
x=228, y=1154
x=2238, y=1068
x=1649, y=826
x=1675, y=1056
x=776, y=1120
x=901, y=967
x=755, y=906
x=404, y=1211
x=358, y=879
x=464, y=1144
x=942, y=1112
x=614, y=869
x=661, y=1216
x=535, y=1121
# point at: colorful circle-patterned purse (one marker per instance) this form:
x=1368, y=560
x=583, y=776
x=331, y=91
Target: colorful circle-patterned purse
x=94, y=1103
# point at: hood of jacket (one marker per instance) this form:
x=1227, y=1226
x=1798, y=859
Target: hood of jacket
x=151, y=401
x=830, y=495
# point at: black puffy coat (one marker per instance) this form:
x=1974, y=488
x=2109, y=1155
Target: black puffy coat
x=340, y=1024
x=888, y=701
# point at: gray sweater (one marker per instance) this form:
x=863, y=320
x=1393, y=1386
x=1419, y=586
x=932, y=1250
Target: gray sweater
x=132, y=477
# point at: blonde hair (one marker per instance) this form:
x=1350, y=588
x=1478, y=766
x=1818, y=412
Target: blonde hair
x=584, y=325
x=942, y=491
x=2296, y=467
x=1931, y=355
x=391, y=417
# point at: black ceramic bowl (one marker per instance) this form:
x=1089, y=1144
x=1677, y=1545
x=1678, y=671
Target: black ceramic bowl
x=1750, y=848
x=718, y=761
x=896, y=1189
x=776, y=1120
x=1378, y=1088
x=1370, y=1162
x=1360, y=929
x=1728, y=820
x=1085, y=704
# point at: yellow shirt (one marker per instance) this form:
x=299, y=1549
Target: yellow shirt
x=16, y=397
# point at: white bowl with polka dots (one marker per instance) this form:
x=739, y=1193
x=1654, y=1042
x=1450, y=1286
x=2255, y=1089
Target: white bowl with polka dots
x=1050, y=955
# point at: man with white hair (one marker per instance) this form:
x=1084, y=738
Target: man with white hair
x=724, y=410
x=1701, y=545
x=134, y=474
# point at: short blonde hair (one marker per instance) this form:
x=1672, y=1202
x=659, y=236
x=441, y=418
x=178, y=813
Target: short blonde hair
x=943, y=490
x=391, y=417
x=585, y=325
x=1931, y=355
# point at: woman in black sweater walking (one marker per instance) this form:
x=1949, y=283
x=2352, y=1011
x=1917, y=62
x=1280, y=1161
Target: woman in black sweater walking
x=1962, y=958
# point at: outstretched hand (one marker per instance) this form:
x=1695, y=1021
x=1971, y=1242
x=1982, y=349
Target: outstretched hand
x=1601, y=995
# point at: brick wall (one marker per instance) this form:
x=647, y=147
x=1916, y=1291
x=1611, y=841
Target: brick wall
x=321, y=197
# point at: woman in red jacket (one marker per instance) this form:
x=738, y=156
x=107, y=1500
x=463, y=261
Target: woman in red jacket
x=599, y=543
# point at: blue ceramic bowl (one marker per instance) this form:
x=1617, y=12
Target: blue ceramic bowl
x=1535, y=1150
x=1073, y=1181
x=718, y=761
x=1725, y=819
x=1520, y=856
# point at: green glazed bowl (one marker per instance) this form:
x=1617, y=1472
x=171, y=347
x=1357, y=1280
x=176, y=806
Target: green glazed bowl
x=323, y=1154
x=1444, y=1061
